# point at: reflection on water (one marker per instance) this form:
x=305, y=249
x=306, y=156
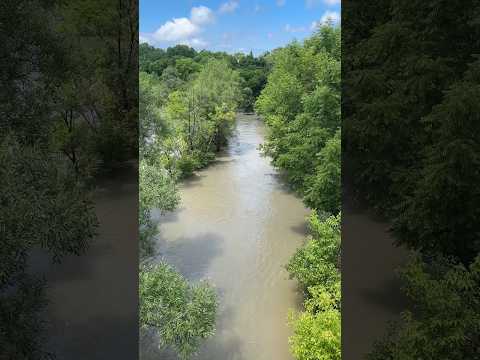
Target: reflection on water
x=237, y=226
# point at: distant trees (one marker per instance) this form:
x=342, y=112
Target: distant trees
x=185, y=62
x=202, y=114
x=301, y=107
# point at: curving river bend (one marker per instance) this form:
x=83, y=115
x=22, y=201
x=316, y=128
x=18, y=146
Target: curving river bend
x=237, y=226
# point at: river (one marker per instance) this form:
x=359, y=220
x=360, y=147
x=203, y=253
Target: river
x=237, y=226
x=92, y=310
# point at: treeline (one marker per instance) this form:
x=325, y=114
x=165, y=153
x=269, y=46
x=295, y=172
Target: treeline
x=301, y=107
x=68, y=110
x=176, y=65
x=187, y=112
x=413, y=130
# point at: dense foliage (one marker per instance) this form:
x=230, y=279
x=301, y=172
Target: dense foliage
x=446, y=317
x=411, y=121
x=182, y=313
x=67, y=107
x=176, y=65
x=156, y=190
x=412, y=126
x=317, y=330
x=201, y=116
x=301, y=107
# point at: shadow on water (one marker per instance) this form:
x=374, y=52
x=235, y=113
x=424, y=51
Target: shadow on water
x=75, y=268
x=301, y=228
x=281, y=183
x=168, y=217
x=221, y=161
x=192, y=181
x=190, y=255
x=95, y=343
x=386, y=296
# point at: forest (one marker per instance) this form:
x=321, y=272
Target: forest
x=68, y=115
x=421, y=170
x=188, y=103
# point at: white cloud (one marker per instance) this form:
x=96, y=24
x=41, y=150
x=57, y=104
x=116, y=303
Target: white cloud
x=291, y=29
x=182, y=30
x=257, y=8
x=330, y=16
x=228, y=7
x=201, y=15
x=176, y=29
x=281, y=2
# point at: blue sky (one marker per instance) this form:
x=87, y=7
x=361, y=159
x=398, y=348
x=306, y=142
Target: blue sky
x=232, y=25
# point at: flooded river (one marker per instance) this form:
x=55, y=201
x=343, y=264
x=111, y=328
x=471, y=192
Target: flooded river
x=237, y=226
x=92, y=310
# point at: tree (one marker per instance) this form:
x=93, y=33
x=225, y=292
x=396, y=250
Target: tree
x=317, y=262
x=44, y=205
x=182, y=313
x=156, y=190
x=203, y=113
x=441, y=214
x=323, y=189
x=445, y=318
x=186, y=67
x=301, y=107
x=316, y=329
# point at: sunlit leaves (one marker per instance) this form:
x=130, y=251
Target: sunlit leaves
x=301, y=107
x=316, y=267
x=317, y=331
x=183, y=314
x=323, y=190
x=317, y=261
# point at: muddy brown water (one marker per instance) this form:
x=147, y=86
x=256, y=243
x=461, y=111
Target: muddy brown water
x=92, y=310
x=237, y=226
x=371, y=289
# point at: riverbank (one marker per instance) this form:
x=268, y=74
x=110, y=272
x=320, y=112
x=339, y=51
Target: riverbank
x=237, y=226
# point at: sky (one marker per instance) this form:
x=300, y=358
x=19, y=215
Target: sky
x=232, y=25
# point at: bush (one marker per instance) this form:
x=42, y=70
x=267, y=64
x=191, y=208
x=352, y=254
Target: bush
x=182, y=313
